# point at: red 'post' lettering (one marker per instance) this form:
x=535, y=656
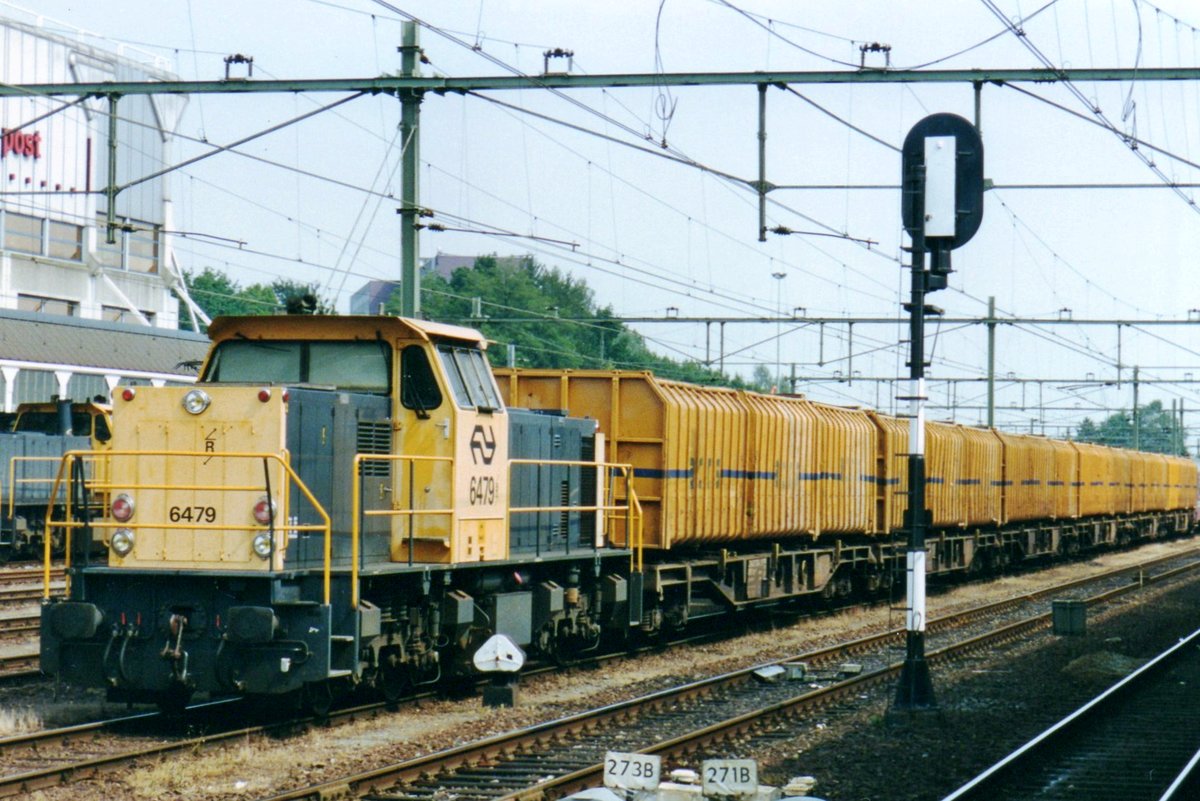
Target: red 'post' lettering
x=21, y=144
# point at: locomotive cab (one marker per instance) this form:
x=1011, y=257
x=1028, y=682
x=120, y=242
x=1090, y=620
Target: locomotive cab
x=253, y=449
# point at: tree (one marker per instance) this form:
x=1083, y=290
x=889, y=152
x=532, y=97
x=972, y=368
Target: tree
x=550, y=317
x=1158, y=430
x=219, y=295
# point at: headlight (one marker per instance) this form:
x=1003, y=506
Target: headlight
x=264, y=510
x=196, y=401
x=122, y=508
x=122, y=541
x=262, y=545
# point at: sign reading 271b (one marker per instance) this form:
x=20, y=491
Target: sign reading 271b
x=729, y=778
x=631, y=771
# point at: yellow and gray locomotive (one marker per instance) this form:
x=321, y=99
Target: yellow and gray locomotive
x=337, y=500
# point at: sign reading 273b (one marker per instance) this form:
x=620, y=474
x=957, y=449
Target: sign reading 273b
x=631, y=771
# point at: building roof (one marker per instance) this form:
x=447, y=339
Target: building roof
x=52, y=340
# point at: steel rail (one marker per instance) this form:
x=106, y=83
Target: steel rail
x=1093, y=752
x=493, y=748
x=53, y=776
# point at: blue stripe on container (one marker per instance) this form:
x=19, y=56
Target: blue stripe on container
x=1056, y=483
x=935, y=480
x=648, y=472
x=969, y=482
x=820, y=476
x=753, y=475
x=1031, y=482
x=1001, y=483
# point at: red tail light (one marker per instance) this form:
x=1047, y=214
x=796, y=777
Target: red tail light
x=122, y=508
x=264, y=511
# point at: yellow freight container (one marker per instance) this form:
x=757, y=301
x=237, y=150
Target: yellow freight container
x=891, y=472
x=962, y=469
x=943, y=460
x=1187, y=485
x=1063, y=484
x=1121, y=480
x=1181, y=493
x=981, y=476
x=1096, y=468
x=714, y=465
x=706, y=461
x=843, y=472
x=1157, y=482
x=1029, y=467
x=781, y=444
x=1138, y=486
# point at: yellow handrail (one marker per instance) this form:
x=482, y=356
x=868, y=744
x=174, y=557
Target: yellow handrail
x=357, y=511
x=13, y=481
x=70, y=457
x=610, y=508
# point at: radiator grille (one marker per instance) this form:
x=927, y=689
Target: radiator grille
x=375, y=438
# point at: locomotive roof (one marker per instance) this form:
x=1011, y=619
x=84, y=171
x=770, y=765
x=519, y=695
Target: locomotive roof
x=339, y=326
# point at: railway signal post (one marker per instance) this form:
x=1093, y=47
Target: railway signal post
x=941, y=207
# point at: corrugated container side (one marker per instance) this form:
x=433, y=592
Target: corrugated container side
x=1028, y=471
x=1095, y=471
x=779, y=503
x=944, y=447
x=1065, y=488
x=1185, y=484
x=1159, y=481
x=632, y=416
x=846, y=447
x=980, y=476
x=1181, y=478
x=679, y=471
x=1121, y=480
x=891, y=473
x=709, y=447
x=1140, y=471
x=1174, y=482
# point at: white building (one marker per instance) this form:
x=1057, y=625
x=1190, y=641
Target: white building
x=54, y=165
x=80, y=315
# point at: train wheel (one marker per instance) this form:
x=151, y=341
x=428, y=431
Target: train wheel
x=318, y=699
x=173, y=703
x=393, y=683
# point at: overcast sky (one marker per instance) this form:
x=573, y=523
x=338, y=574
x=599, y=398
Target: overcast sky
x=654, y=235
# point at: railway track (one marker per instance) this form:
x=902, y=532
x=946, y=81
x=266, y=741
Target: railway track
x=27, y=573
x=737, y=695
x=567, y=755
x=1138, y=739
x=20, y=594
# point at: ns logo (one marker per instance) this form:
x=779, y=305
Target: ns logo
x=483, y=445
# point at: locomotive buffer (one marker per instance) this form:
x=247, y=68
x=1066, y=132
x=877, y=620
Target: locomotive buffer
x=941, y=206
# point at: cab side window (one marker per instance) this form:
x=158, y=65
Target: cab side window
x=419, y=389
x=470, y=377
